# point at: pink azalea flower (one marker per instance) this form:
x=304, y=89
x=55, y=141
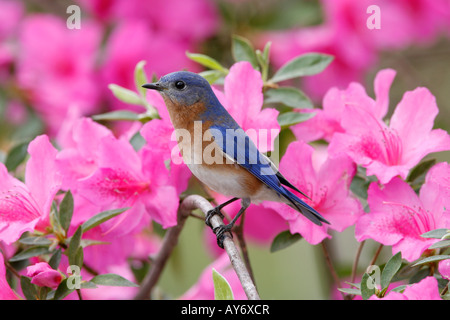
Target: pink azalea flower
x=56, y=82
x=327, y=120
x=119, y=249
x=80, y=149
x=26, y=206
x=204, y=288
x=243, y=99
x=426, y=289
x=169, y=17
x=43, y=275
x=125, y=178
x=345, y=35
x=104, y=172
x=398, y=21
x=387, y=151
x=326, y=182
x=6, y=293
x=398, y=217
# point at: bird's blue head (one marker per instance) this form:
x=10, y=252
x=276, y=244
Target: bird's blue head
x=183, y=88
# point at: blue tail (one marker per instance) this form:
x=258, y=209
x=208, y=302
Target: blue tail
x=302, y=207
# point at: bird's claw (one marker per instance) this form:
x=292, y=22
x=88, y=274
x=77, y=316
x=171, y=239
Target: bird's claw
x=220, y=233
x=210, y=214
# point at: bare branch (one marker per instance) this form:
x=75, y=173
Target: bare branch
x=189, y=204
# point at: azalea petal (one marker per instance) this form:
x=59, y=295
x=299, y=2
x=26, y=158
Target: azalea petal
x=243, y=90
x=108, y=186
x=382, y=84
x=396, y=218
x=87, y=135
x=156, y=100
x=162, y=205
x=435, y=141
x=158, y=134
x=413, y=120
x=312, y=233
x=41, y=175
x=119, y=155
x=426, y=289
x=263, y=129
x=341, y=209
x=320, y=126
x=6, y=293
x=435, y=195
x=298, y=159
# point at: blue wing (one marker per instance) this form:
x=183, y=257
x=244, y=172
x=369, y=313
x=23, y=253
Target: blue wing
x=238, y=147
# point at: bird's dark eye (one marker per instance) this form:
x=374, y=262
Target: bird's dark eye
x=180, y=85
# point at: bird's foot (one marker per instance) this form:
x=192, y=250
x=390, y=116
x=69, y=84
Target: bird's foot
x=220, y=233
x=212, y=213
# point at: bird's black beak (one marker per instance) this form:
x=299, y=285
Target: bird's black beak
x=153, y=86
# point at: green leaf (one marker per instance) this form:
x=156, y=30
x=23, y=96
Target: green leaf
x=126, y=95
x=288, y=96
x=29, y=290
x=87, y=285
x=263, y=60
x=137, y=141
x=283, y=240
x=30, y=252
x=400, y=288
x=304, y=65
x=111, y=279
x=212, y=75
x=62, y=291
x=440, y=244
x=417, y=174
x=101, y=217
x=74, y=245
x=359, y=187
x=36, y=241
x=243, y=50
x=353, y=291
x=435, y=258
x=16, y=156
x=117, y=115
x=390, y=269
x=288, y=119
x=222, y=289
x=140, y=78
x=367, y=286
x=206, y=61
x=55, y=259
x=66, y=211
x=435, y=234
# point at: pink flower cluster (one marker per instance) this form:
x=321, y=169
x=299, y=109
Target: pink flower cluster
x=347, y=33
x=105, y=172
x=58, y=69
x=354, y=125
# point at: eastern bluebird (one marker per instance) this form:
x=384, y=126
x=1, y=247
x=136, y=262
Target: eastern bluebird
x=221, y=155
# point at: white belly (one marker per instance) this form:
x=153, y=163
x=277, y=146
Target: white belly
x=220, y=181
